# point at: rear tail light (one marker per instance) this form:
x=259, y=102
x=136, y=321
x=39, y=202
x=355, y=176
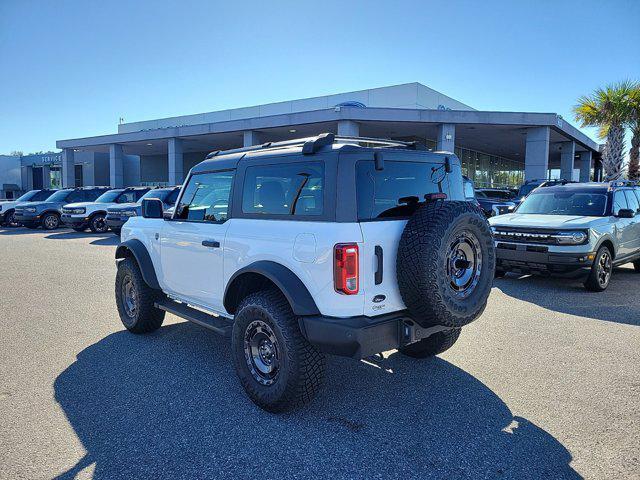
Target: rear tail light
x=345, y=268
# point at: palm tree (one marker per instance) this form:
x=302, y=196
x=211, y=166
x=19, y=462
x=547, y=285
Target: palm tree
x=634, y=152
x=608, y=108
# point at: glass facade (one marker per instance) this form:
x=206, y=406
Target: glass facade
x=488, y=170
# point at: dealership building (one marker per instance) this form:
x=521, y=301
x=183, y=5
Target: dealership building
x=495, y=148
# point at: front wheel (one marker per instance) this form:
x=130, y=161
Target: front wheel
x=50, y=221
x=136, y=300
x=10, y=219
x=601, y=270
x=97, y=224
x=277, y=367
x=433, y=345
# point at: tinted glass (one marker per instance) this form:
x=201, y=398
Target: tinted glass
x=565, y=203
x=637, y=192
x=59, y=196
x=92, y=195
x=619, y=201
x=139, y=194
x=109, y=196
x=396, y=191
x=206, y=197
x=290, y=189
x=632, y=201
x=526, y=189
x=172, y=197
x=30, y=196
x=42, y=195
x=76, y=196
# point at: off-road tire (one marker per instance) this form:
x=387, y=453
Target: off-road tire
x=50, y=221
x=433, y=345
x=10, y=219
x=97, y=223
x=147, y=317
x=78, y=229
x=593, y=283
x=301, y=372
x=423, y=261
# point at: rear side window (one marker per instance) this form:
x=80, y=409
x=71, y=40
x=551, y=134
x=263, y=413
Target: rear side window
x=288, y=189
x=206, y=197
x=76, y=196
x=91, y=195
x=396, y=191
x=41, y=196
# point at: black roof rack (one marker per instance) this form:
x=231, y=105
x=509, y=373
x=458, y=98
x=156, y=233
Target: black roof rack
x=313, y=144
x=623, y=183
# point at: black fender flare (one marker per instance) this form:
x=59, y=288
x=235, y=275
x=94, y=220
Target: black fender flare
x=50, y=210
x=290, y=285
x=137, y=249
x=607, y=238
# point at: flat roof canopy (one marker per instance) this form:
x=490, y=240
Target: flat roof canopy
x=497, y=133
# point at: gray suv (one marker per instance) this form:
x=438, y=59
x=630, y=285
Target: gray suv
x=47, y=213
x=575, y=229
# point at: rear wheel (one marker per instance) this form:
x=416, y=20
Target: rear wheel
x=97, y=224
x=601, y=271
x=433, y=345
x=50, y=221
x=136, y=300
x=277, y=367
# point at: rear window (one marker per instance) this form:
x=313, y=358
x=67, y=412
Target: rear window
x=396, y=191
x=289, y=189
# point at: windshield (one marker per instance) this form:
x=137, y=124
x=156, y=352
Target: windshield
x=27, y=196
x=59, y=196
x=108, y=197
x=565, y=203
x=159, y=194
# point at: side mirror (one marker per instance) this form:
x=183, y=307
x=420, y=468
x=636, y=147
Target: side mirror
x=152, y=208
x=626, y=213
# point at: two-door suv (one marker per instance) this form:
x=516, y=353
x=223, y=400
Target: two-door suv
x=297, y=249
x=92, y=214
x=48, y=212
x=579, y=230
x=118, y=215
x=8, y=207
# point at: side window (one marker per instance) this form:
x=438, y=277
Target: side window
x=206, y=197
x=42, y=195
x=632, y=201
x=619, y=201
x=288, y=189
x=91, y=195
x=138, y=195
x=75, y=196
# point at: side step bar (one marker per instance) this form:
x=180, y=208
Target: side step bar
x=220, y=325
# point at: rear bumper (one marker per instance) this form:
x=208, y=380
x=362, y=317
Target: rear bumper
x=523, y=258
x=361, y=337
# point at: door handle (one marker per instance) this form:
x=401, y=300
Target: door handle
x=211, y=243
x=380, y=263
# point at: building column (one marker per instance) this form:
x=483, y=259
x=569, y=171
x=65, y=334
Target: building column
x=116, y=167
x=46, y=176
x=251, y=138
x=68, y=168
x=446, y=137
x=348, y=128
x=176, y=161
x=567, y=157
x=585, y=166
x=536, y=159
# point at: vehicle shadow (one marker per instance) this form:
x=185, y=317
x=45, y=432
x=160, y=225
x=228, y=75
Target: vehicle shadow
x=168, y=405
x=20, y=230
x=103, y=239
x=616, y=304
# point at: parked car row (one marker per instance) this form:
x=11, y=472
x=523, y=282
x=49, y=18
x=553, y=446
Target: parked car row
x=81, y=208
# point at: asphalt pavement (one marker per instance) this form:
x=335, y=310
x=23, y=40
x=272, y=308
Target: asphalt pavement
x=546, y=384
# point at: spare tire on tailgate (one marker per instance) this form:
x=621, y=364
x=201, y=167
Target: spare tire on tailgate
x=445, y=264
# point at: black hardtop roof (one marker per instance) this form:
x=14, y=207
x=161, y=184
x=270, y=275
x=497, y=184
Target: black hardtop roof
x=228, y=159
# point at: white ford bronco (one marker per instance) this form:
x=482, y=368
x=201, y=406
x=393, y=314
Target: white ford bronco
x=297, y=249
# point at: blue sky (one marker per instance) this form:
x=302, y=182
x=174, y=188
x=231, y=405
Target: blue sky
x=72, y=68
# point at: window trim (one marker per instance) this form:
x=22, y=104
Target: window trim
x=329, y=165
x=183, y=189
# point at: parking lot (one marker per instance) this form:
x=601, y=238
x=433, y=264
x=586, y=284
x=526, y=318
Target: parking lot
x=546, y=384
